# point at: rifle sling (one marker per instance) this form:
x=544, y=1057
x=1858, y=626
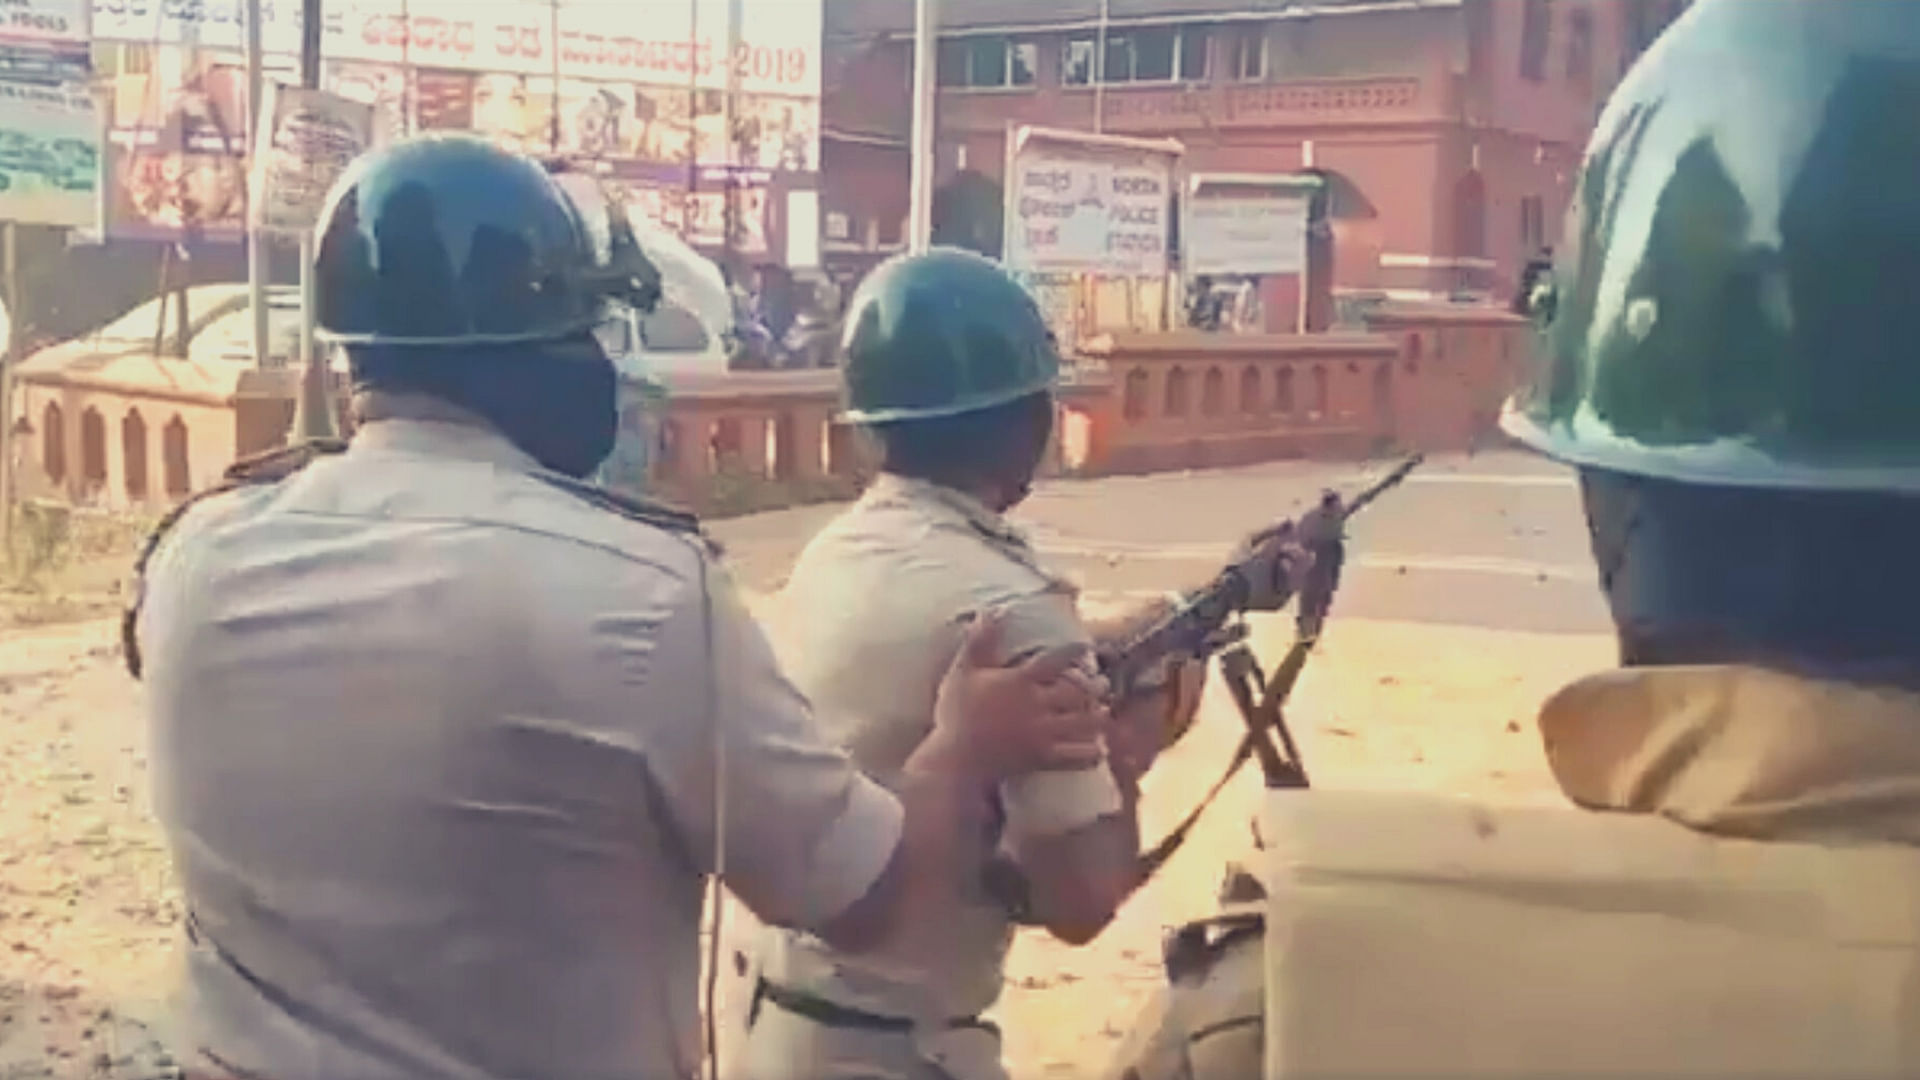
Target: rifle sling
x=1267, y=715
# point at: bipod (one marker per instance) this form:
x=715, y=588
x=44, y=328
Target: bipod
x=1265, y=717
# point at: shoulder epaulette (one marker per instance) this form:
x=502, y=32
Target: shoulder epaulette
x=281, y=462
x=264, y=468
x=633, y=507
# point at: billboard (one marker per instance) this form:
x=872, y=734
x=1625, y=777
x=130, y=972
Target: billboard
x=306, y=139
x=49, y=155
x=682, y=43
x=1089, y=204
x=176, y=149
x=639, y=92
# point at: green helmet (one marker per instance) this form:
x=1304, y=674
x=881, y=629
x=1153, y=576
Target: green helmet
x=939, y=334
x=445, y=240
x=1734, y=297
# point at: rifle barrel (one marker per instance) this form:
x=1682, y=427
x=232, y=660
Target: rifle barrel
x=1400, y=472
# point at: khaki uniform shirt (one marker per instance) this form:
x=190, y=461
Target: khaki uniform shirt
x=444, y=753
x=1734, y=751
x=869, y=625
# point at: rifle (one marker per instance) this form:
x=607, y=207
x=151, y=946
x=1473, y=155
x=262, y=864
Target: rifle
x=1322, y=532
x=1198, y=630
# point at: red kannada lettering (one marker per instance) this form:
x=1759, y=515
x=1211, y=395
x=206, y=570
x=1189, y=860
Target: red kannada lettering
x=628, y=54
x=420, y=31
x=517, y=41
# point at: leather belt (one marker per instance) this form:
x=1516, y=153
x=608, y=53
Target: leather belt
x=835, y=1015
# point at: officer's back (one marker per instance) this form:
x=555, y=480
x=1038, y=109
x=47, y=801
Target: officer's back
x=377, y=721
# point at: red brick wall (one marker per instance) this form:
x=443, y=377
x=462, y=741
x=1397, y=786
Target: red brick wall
x=1402, y=103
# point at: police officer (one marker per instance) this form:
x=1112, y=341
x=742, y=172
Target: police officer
x=950, y=367
x=445, y=740
x=1729, y=362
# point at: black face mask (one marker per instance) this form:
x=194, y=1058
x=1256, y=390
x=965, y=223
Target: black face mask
x=556, y=401
x=561, y=407
x=565, y=408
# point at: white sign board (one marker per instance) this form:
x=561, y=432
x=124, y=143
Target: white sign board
x=306, y=140
x=1245, y=234
x=1089, y=207
x=49, y=155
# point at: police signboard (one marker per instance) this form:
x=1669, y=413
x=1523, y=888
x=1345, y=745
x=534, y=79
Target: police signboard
x=1088, y=203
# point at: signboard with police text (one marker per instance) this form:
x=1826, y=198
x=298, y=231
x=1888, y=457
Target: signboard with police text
x=306, y=140
x=1088, y=204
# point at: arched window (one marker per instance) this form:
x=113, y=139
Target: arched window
x=53, y=445
x=93, y=451
x=1250, y=389
x=1133, y=399
x=1283, y=402
x=1176, y=394
x=1322, y=392
x=1213, y=392
x=173, y=458
x=1383, y=388
x=133, y=453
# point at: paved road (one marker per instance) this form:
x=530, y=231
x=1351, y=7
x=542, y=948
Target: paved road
x=1493, y=540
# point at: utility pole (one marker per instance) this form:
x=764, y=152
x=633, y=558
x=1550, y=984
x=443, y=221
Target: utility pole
x=926, y=38
x=1100, y=73
x=553, y=100
x=313, y=401
x=10, y=265
x=730, y=122
x=257, y=264
x=690, y=209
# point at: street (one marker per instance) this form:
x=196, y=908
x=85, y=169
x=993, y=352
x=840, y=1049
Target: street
x=1468, y=597
x=1494, y=540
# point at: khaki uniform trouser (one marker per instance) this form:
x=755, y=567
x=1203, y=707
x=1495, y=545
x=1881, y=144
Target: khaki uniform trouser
x=782, y=1044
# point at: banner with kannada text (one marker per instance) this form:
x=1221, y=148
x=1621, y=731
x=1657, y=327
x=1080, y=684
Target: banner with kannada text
x=680, y=43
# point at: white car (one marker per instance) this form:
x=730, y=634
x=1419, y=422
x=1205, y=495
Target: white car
x=689, y=333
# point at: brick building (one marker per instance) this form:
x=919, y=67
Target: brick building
x=1448, y=131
